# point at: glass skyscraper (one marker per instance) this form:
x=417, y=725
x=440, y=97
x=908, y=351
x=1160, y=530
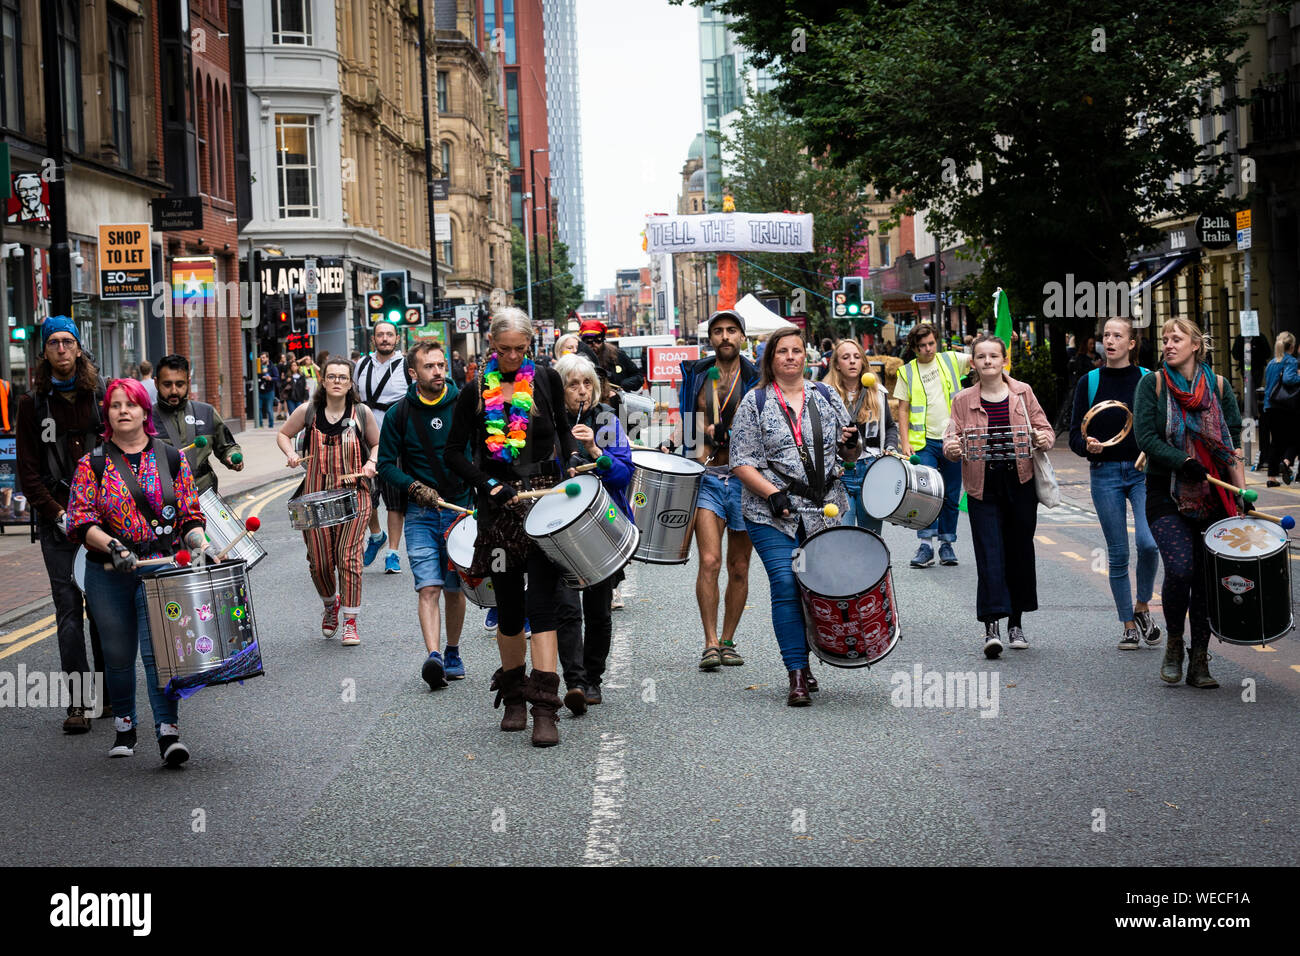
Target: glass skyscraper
x=564, y=129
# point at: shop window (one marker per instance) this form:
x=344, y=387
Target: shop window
x=11, y=74
x=119, y=88
x=296, y=166
x=291, y=22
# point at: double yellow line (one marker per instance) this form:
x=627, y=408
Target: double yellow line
x=24, y=637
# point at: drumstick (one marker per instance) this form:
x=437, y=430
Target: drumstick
x=1286, y=521
x=714, y=375
x=250, y=525
x=200, y=442
x=180, y=558
x=572, y=489
x=1247, y=494
x=450, y=507
x=602, y=463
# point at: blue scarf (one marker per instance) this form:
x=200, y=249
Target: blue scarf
x=64, y=386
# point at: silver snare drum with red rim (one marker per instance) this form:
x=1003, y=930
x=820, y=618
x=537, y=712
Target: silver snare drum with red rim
x=848, y=596
x=1248, y=581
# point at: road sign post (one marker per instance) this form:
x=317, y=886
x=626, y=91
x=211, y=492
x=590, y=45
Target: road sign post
x=1247, y=343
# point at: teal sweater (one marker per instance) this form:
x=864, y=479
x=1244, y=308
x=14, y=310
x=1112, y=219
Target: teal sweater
x=402, y=458
x=1150, y=413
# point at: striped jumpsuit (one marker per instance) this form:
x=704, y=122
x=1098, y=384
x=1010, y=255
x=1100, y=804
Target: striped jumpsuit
x=334, y=554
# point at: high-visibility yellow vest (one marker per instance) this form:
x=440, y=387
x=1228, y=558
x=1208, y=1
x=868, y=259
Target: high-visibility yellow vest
x=916, y=394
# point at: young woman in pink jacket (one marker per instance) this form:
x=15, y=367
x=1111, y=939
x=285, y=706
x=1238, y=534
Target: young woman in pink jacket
x=1002, y=503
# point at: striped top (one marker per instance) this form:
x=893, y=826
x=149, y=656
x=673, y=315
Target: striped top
x=998, y=412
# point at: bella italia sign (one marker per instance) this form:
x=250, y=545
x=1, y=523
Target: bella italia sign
x=730, y=232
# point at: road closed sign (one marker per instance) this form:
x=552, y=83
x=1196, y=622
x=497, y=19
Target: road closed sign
x=125, y=262
x=664, y=362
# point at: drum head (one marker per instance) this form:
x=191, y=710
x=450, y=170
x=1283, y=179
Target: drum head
x=843, y=562
x=1244, y=538
x=460, y=540
x=554, y=511
x=670, y=464
x=883, y=487
x=79, y=568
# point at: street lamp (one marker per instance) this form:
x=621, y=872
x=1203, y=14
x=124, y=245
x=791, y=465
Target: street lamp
x=532, y=186
x=528, y=261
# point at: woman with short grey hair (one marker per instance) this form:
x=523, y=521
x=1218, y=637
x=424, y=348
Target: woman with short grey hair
x=579, y=365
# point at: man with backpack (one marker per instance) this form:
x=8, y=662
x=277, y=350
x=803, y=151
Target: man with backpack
x=381, y=380
x=58, y=423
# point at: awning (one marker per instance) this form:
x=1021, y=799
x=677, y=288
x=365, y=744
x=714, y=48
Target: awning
x=1173, y=265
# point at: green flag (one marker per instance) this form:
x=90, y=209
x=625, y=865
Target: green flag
x=1002, y=309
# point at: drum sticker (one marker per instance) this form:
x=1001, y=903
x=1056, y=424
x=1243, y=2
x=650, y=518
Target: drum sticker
x=1237, y=584
x=180, y=647
x=223, y=516
x=1244, y=539
x=185, y=621
x=205, y=612
x=168, y=512
x=237, y=614
x=173, y=611
x=203, y=645
x=638, y=499
x=611, y=515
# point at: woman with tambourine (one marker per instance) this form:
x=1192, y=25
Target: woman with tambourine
x=508, y=436
x=342, y=446
x=868, y=406
x=1189, y=427
x=1101, y=430
x=132, y=501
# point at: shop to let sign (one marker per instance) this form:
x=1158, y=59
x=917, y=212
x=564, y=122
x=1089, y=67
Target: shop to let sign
x=125, y=262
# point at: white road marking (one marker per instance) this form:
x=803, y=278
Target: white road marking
x=605, y=830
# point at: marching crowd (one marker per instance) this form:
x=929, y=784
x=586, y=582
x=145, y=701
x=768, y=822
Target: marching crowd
x=118, y=467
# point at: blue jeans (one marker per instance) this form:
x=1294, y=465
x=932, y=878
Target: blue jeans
x=1114, y=485
x=117, y=603
x=774, y=549
x=853, y=475
x=426, y=546
x=268, y=407
x=946, y=524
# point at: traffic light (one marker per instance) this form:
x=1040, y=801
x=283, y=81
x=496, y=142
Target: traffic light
x=392, y=297
x=484, y=319
x=285, y=314
x=18, y=333
x=847, y=299
x=931, y=270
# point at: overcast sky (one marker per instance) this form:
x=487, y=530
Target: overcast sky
x=639, y=82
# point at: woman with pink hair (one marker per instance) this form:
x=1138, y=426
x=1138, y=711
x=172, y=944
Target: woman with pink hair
x=133, y=498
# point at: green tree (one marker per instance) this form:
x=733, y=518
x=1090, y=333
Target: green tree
x=552, y=299
x=1050, y=132
x=771, y=170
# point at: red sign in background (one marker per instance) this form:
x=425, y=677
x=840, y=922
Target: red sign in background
x=663, y=362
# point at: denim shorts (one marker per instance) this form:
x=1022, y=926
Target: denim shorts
x=722, y=496
x=426, y=546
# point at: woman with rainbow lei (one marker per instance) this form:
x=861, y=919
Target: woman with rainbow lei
x=509, y=435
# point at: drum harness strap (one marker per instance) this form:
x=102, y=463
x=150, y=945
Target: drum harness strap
x=373, y=393
x=309, y=426
x=168, y=462
x=815, y=487
x=401, y=414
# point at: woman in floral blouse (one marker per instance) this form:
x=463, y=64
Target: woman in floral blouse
x=117, y=532
x=788, y=478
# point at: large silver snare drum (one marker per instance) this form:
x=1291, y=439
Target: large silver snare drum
x=663, y=492
x=224, y=526
x=202, y=626
x=585, y=535
x=322, y=509
x=901, y=493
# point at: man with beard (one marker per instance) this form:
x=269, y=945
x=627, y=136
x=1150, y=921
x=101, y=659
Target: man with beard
x=381, y=380
x=58, y=422
x=180, y=420
x=411, y=449
x=710, y=393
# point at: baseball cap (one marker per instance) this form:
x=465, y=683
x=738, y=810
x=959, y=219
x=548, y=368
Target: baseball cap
x=727, y=314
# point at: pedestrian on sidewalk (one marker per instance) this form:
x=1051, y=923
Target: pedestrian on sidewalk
x=1001, y=499
x=584, y=619
x=868, y=407
x=925, y=389
x=295, y=387
x=147, y=380
x=1281, y=376
x=381, y=379
x=788, y=435
x=1188, y=424
x=412, y=453
x=181, y=420
x=133, y=499
x=341, y=438
x=1115, y=480
x=268, y=384
x=65, y=393
x=507, y=435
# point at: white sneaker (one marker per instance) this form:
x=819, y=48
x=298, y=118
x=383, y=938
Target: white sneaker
x=617, y=601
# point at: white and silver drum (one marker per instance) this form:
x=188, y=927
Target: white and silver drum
x=322, y=509
x=585, y=535
x=460, y=553
x=663, y=492
x=902, y=493
x=1248, y=581
x=224, y=526
x=202, y=626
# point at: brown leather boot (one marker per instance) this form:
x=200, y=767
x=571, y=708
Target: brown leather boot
x=542, y=692
x=509, y=686
x=1198, y=670
x=1171, y=670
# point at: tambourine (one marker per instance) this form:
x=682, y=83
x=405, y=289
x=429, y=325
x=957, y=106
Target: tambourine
x=1104, y=406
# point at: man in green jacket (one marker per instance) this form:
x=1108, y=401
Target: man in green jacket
x=180, y=421
x=412, y=446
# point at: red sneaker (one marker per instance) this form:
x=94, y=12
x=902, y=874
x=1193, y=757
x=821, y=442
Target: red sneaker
x=330, y=622
x=350, y=632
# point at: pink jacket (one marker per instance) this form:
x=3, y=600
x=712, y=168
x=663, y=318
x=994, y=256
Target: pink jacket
x=968, y=413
